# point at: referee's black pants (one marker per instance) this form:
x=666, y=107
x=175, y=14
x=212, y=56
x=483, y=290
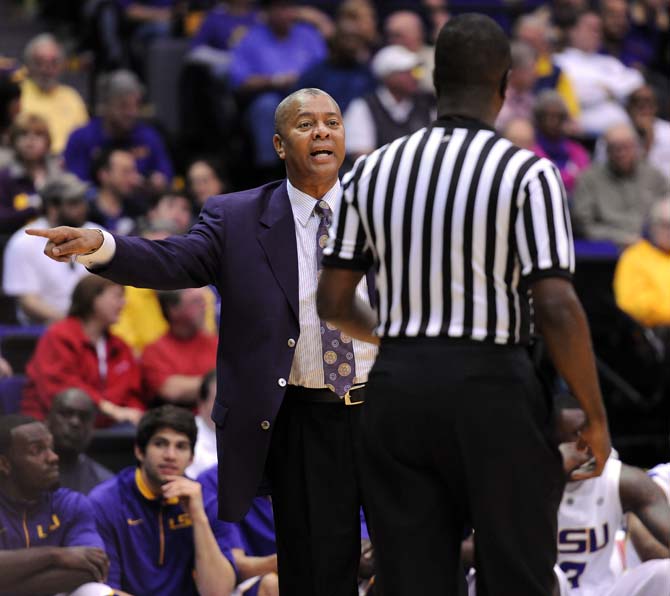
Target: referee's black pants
x=312, y=466
x=456, y=434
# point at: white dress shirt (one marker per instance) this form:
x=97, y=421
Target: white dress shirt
x=204, y=455
x=307, y=368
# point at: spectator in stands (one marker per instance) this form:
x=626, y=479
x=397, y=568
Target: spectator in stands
x=119, y=95
x=34, y=512
x=42, y=93
x=345, y=73
x=80, y=352
x=612, y=199
x=654, y=132
x=621, y=41
x=396, y=108
x=204, y=455
x=536, y=32
x=253, y=542
x=405, y=28
x=28, y=166
x=361, y=14
x=173, y=367
x=117, y=202
x=550, y=116
x=437, y=16
x=43, y=287
x=10, y=106
x=174, y=208
x=205, y=178
x=266, y=65
x=141, y=321
x=590, y=514
x=519, y=95
x=521, y=132
x=602, y=83
x=70, y=420
x=226, y=24
x=153, y=521
x=642, y=275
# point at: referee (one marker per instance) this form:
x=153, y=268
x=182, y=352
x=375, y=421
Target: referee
x=470, y=238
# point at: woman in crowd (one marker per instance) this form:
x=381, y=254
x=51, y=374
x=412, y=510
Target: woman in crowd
x=27, y=168
x=80, y=352
x=551, y=115
x=205, y=178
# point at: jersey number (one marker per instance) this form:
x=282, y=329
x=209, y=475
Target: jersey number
x=573, y=571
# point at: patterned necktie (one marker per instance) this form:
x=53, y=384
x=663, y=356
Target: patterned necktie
x=339, y=364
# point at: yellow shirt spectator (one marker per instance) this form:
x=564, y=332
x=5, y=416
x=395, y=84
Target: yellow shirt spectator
x=142, y=322
x=545, y=67
x=642, y=284
x=62, y=107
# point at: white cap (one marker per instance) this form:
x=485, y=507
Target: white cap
x=394, y=59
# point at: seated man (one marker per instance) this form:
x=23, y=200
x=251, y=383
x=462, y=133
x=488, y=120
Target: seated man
x=252, y=540
x=43, y=286
x=204, y=455
x=173, y=366
x=119, y=97
x=34, y=512
x=395, y=109
x=612, y=199
x=591, y=512
x=70, y=421
x=153, y=521
x=642, y=275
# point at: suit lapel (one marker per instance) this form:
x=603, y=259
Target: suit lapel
x=277, y=237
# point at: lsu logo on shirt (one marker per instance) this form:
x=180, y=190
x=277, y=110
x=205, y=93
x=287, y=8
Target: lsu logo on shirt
x=42, y=533
x=580, y=541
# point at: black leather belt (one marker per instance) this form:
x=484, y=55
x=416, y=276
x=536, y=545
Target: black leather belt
x=354, y=397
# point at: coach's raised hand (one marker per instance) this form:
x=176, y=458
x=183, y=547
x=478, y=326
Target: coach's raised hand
x=65, y=242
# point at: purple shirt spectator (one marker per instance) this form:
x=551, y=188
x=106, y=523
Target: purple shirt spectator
x=58, y=518
x=262, y=53
x=143, y=142
x=569, y=157
x=223, y=30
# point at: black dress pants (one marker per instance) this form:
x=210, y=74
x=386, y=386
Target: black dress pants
x=312, y=466
x=455, y=434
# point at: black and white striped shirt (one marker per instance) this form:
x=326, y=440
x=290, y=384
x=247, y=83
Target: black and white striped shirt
x=458, y=222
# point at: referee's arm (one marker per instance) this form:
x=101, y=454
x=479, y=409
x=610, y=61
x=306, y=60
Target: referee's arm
x=547, y=257
x=345, y=261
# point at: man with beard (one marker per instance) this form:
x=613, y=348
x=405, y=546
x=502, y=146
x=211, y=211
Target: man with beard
x=153, y=521
x=34, y=512
x=43, y=287
x=70, y=421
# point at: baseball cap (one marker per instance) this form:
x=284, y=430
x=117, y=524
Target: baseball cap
x=394, y=59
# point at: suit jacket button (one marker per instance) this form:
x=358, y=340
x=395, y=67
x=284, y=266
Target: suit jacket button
x=281, y=382
x=265, y=425
x=291, y=342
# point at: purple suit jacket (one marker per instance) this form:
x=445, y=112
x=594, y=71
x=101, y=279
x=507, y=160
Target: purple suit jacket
x=244, y=244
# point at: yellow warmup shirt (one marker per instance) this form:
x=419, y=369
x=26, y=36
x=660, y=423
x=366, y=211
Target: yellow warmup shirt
x=62, y=108
x=642, y=284
x=142, y=322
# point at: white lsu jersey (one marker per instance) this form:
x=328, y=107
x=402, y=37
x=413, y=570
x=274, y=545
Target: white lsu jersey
x=588, y=518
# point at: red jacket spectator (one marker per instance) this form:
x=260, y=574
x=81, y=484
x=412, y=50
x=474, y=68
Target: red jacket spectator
x=66, y=356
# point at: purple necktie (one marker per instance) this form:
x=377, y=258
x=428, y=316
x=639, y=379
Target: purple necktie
x=339, y=364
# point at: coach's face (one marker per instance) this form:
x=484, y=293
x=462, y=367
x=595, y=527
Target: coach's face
x=311, y=143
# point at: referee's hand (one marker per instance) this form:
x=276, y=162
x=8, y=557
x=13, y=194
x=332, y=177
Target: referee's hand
x=594, y=439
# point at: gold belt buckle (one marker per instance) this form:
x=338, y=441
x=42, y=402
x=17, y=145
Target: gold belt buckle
x=347, y=397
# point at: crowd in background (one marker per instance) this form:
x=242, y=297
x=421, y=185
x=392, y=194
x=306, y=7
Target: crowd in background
x=589, y=89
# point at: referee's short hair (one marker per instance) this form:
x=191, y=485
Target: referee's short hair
x=472, y=57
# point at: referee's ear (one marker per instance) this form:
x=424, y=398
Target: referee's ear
x=278, y=143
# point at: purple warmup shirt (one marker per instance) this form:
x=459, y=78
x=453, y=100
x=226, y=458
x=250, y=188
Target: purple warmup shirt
x=143, y=142
x=261, y=53
x=59, y=518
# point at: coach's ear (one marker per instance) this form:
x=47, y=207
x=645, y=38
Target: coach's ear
x=278, y=143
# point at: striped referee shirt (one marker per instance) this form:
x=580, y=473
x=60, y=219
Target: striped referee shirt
x=458, y=222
